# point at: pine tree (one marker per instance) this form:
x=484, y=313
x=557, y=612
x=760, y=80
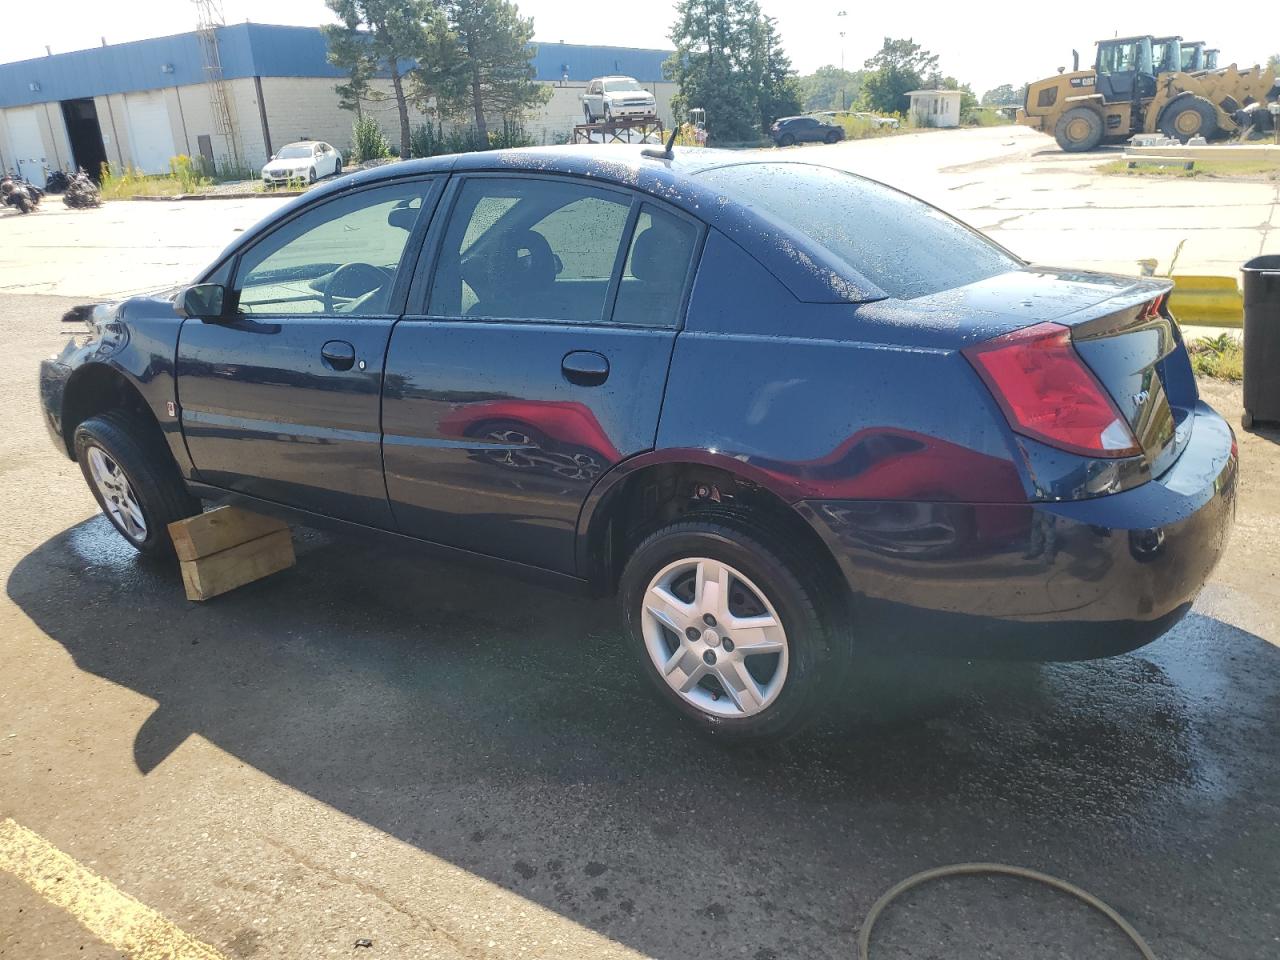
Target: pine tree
x=378, y=36
x=493, y=73
x=729, y=61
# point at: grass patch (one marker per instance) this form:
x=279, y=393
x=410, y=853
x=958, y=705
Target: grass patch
x=1221, y=357
x=184, y=177
x=1242, y=168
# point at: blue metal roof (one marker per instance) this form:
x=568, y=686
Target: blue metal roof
x=257, y=49
x=585, y=62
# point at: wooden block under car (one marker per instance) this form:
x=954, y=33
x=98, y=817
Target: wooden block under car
x=227, y=548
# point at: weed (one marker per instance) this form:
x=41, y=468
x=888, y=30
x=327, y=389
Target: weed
x=1221, y=357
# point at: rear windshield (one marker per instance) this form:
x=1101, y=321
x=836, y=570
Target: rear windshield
x=904, y=246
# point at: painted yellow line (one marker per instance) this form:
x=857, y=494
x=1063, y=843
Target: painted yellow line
x=110, y=914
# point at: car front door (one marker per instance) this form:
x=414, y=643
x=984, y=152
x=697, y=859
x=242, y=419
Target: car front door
x=280, y=399
x=536, y=362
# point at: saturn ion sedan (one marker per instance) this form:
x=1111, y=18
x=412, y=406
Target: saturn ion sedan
x=783, y=413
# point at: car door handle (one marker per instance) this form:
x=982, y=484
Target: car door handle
x=586, y=368
x=338, y=354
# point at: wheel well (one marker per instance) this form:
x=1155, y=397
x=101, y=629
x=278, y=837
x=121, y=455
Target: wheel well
x=95, y=389
x=658, y=495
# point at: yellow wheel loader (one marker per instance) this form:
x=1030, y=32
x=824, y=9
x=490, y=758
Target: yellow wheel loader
x=1124, y=94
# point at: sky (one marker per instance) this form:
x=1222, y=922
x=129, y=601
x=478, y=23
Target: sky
x=983, y=44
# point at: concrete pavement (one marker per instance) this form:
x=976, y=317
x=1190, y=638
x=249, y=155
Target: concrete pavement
x=1010, y=182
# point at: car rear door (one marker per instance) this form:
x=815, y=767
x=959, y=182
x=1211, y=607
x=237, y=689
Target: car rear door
x=281, y=400
x=547, y=309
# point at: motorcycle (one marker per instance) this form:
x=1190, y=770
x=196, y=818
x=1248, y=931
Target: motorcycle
x=20, y=194
x=81, y=192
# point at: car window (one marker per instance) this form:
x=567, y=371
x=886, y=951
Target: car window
x=651, y=291
x=529, y=249
x=340, y=257
x=902, y=245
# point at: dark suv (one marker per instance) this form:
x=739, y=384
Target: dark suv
x=788, y=130
x=782, y=411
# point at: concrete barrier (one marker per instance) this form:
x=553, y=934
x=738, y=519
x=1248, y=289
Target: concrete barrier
x=1206, y=301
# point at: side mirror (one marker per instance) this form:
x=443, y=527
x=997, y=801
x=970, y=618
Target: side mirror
x=201, y=301
x=273, y=156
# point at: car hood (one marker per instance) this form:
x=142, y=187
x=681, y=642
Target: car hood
x=629, y=95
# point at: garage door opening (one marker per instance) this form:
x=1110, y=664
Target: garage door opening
x=85, y=134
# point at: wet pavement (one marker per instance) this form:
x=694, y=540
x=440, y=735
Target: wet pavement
x=452, y=763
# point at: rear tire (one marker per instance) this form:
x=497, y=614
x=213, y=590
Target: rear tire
x=1189, y=117
x=1078, y=129
x=798, y=660
x=144, y=493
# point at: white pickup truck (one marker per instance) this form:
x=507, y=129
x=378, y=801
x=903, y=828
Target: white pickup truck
x=617, y=98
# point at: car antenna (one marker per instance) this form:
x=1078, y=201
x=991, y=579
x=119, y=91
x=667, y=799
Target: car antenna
x=666, y=153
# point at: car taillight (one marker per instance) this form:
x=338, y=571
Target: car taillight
x=1048, y=393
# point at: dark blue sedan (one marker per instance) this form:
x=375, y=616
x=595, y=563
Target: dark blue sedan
x=784, y=413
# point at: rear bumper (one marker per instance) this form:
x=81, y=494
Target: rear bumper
x=1066, y=580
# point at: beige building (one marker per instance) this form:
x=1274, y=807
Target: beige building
x=935, y=108
x=139, y=104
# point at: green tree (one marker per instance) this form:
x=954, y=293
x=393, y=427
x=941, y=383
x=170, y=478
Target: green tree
x=770, y=71
x=1273, y=62
x=899, y=67
x=1005, y=95
x=729, y=61
x=377, y=36
x=830, y=88
x=493, y=73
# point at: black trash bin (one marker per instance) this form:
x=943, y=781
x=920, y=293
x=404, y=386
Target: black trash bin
x=1261, y=339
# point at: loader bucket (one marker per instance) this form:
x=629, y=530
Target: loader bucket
x=1206, y=301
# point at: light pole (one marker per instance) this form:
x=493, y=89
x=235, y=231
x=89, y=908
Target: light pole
x=844, y=93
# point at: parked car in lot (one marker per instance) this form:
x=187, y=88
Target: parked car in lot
x=617, y=98
x=876, y=120
x=303, y=162
x=788, y=130
x=781, y=412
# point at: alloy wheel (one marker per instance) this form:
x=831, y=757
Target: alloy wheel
x=117, y=494
x=714, y=637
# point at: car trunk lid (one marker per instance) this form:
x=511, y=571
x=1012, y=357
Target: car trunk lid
x=1120, y=327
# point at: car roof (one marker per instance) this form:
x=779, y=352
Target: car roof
x=675, y=180
x=303, y=143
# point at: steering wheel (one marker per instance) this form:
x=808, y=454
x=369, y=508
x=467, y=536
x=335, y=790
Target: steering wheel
x=352, y=281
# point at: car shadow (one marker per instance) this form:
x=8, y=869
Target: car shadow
x=400, y=690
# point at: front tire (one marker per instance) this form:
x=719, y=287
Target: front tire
x=133, y=478
x=1078, y=129
x=1189, y=117
x=311, y=175
x=730, y=628
x=786, y=140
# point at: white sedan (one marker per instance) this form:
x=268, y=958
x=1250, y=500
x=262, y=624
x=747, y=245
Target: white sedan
x=306, y=161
